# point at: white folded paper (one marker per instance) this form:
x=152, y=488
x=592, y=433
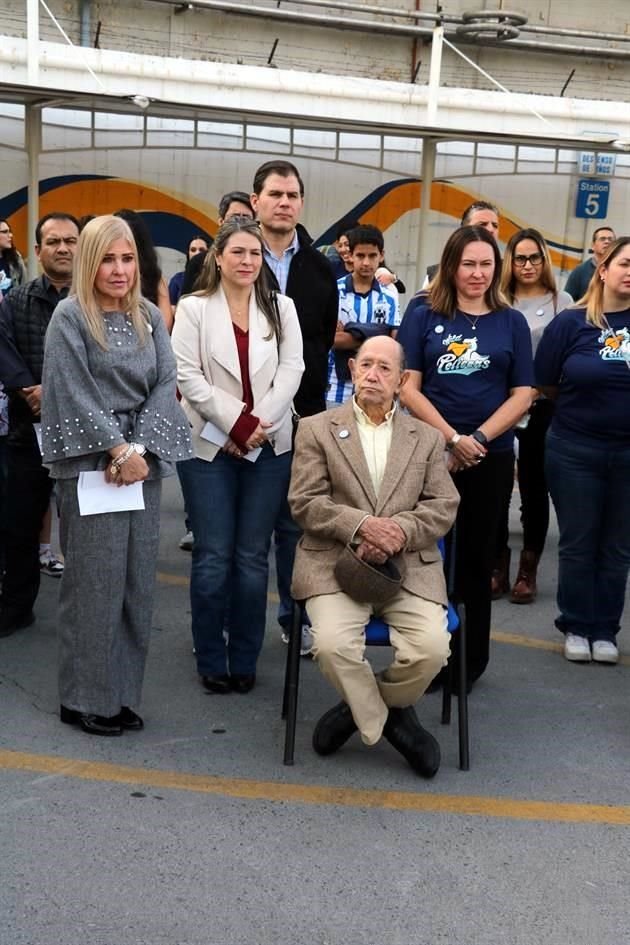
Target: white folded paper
x=213, y=435
x=97, y=496
x=37, y=427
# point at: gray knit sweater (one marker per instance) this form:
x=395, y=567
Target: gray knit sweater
x=95, y=399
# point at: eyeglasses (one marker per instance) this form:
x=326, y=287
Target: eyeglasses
x=536, y=259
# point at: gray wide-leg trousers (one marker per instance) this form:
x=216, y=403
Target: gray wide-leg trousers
x=105, y=601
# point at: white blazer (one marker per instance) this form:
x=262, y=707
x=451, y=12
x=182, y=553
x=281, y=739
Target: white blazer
x=209, y=374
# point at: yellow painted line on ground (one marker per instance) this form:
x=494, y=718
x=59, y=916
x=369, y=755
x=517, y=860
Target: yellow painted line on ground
x=181, y=580
x=519, y=639
x=497, y=807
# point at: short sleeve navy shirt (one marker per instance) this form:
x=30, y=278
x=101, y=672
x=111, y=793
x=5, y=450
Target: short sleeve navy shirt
x=590, y=366
x=468, y=363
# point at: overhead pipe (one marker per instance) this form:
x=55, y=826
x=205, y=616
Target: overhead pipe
x=85, y=18
x=396, y=29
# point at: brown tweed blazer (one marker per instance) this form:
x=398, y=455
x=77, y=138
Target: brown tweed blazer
x=331, y=492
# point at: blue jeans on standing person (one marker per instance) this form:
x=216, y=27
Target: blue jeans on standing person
x=589, y=486
x=233, y=505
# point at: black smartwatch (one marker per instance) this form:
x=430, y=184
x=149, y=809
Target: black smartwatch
x=480, y=437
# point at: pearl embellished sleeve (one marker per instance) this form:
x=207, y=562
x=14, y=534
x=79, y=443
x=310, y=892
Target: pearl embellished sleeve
x=93, y=399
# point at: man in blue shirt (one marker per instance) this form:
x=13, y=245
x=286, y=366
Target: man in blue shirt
x=366, y=309
x=578, y=281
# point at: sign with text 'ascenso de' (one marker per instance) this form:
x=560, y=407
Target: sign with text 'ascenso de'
x=592, y=198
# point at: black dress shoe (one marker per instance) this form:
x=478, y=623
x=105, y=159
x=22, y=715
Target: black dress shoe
x=130, y=720
x=415, y=744
x=92, y=724
x=333, y=729
x=243, y=682
x=10, y=621
x=217, y=683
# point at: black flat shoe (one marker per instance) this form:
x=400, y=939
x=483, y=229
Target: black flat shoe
x=92, y=724
x=333, y=729
x=130, y=720
x=417, y=746
x=243, y=682
x=217, y=683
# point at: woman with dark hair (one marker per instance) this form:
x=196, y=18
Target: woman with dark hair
x=12, y=268
x=470, y=360
x=198, y=244
x=583, y=364
x=528, y=282
x=239, y=363
x=153, y=285
x=234, y=204
x=109, y=413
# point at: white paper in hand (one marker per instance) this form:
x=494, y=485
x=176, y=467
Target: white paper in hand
x=97, y=496
x=213, y=435
x=37, y=427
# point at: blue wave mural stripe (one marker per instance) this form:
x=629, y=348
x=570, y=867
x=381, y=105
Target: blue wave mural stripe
x=19, y=198
x=328, y=236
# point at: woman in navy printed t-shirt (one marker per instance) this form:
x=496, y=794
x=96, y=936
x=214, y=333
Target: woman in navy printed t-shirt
x=583, y=361
x=470, y=360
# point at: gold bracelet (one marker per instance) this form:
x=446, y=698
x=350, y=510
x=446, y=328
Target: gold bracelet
x=123, y=457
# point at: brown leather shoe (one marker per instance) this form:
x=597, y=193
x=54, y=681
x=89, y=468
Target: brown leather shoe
x=501, y=574
x=524, y=589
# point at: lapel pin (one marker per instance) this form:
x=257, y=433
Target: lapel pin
x=343, y=434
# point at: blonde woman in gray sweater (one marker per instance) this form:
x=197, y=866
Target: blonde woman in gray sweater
x=109, y=406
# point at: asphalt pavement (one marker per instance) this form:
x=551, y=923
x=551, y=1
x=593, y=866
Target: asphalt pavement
x=193, y=832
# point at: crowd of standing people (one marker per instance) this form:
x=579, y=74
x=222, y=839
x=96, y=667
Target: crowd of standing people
x=267, y=331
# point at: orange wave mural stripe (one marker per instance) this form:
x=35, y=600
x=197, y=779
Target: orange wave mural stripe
x=452, y=201
x=106, y=196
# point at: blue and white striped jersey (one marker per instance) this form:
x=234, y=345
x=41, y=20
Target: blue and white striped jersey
x=379, y=305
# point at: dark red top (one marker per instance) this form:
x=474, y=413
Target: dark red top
x=247, y=422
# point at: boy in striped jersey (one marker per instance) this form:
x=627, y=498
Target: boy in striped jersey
x=366, y=309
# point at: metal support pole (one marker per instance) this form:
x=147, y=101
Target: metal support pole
x=437, y=44
x=85, y=11
x=32, y=41
x=423, y=257
x=33, y=145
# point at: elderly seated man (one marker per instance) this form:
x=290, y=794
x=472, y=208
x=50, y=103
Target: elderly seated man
x=371, y=491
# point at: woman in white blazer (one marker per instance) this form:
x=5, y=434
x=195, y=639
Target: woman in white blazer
x=239, y=364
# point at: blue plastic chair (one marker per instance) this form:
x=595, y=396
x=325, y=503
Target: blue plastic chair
x=377, y=634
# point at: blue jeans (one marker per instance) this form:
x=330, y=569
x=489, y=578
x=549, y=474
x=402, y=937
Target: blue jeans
x=589, y=489
x=233, y=505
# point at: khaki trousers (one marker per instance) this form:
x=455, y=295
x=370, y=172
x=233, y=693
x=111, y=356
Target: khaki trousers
x=418, y=635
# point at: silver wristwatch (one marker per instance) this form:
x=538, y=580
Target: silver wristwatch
x=139, y=448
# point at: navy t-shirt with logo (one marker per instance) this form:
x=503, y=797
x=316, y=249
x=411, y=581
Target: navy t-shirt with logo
x=468, y=363
x=590, y=366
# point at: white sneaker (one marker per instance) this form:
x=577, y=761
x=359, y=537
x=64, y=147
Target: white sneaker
x=306, y=643
x=186, y=543
x=50, y=564
x=605, y=651
x=577, y=649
